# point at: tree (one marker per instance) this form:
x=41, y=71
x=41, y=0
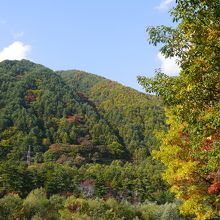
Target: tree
x=10, y=207
x=14, y=178
x=115, y=148
x=36, y=203
x=190, y=148
x=58, y=178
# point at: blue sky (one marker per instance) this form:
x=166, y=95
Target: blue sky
x=107, y=38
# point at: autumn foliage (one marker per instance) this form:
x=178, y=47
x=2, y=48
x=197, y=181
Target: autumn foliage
x=190, y=149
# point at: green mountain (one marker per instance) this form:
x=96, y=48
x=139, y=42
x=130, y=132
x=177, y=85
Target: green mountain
x=102, y=120
x=40, y=110
x=133, y=116
x=71, y=133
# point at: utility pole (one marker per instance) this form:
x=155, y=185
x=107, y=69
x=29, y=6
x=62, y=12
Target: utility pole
x=29, y=156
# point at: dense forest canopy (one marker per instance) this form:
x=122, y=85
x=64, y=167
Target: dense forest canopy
x=190, y=148
x=76, y=145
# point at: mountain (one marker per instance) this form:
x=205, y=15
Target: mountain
x=72, y=134
x=40, y=110
x=134, y=116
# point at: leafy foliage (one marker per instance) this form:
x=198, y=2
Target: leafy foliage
x=133, y=116
x=73, y=137
x=10, y=207
x=190, y=149
x=38, y=206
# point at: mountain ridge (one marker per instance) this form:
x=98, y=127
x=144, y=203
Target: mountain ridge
x=71, y=135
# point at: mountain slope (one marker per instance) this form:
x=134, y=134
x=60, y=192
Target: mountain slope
x=40, y=110
x=134, y=116
x=74, y=133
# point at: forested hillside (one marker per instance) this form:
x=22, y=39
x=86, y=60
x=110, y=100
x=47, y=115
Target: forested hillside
x=134, y=116
x=75, y=145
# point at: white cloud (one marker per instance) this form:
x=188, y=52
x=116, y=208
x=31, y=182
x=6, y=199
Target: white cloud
x=169, y=65
x=15, y=51
x=164, y=4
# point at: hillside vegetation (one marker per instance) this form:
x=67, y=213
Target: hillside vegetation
x=76, y=145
